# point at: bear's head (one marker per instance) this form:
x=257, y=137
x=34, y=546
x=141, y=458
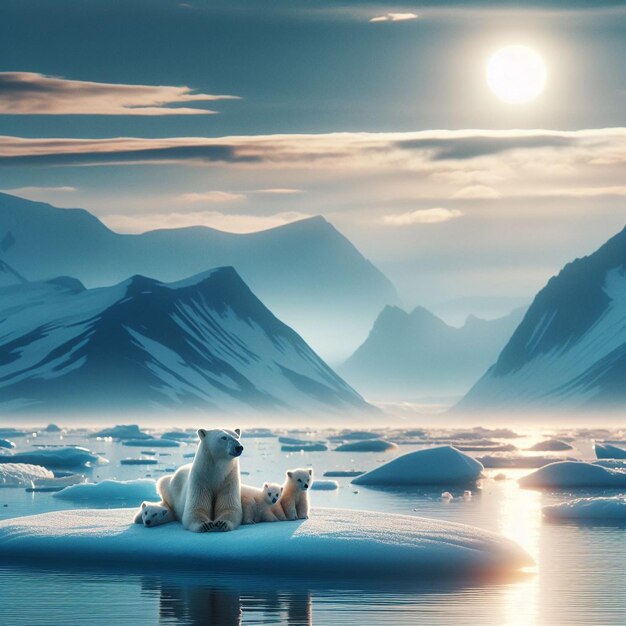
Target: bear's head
x=301, y=478
x=221, y=444
x=153, y=514
x=272, y=492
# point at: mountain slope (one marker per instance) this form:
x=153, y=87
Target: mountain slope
x=306, y=271
x=570, y=349
x=408, y=356
x=8, y=276
x=204, y=343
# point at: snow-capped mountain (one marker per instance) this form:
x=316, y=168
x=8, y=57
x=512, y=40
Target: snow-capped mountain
x=8, y=276
x=205, y=343
x=308, y=273
x=412, y=356
x=569, y=351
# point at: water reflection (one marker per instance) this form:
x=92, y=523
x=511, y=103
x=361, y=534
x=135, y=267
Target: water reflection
x=201, y=604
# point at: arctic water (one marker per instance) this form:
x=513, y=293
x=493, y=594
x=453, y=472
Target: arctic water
x=579, y=577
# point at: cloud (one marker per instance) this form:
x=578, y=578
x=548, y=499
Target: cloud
x=234, y=223
x=279, y=191
x=213, y=196
x=483, y=192
x=395, y=17
x=29, y=93
x=422, y=216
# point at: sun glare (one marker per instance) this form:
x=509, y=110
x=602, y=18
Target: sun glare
x=516, y=74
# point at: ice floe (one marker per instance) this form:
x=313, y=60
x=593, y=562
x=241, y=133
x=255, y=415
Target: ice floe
x=592, y=509
x=367, y=445
x=575, y=474
x=57, y=458
x=128, y=491
x=21, y=474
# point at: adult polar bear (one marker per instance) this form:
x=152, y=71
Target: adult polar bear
x=206, y=495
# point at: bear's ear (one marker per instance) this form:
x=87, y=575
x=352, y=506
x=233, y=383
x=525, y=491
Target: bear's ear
x=238, y=432
x=281, y=490
x=201, y=433
x=290, y=474
x=311, y=471
x=144, y=505
x=265, y=485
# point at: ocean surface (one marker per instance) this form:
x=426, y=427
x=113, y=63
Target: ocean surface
x=579, y=578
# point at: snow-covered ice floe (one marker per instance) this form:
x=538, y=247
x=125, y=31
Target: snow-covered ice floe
x=608, y=451
x=22, y=474
x=324, y=485
x=58, y=458
x=367, y=445
x=443, y=465
x=574, y=474
x=518, y=461
x=591, y=509
x=152, y=442
x=5, y=443
x=108, y=490
x=333, y=542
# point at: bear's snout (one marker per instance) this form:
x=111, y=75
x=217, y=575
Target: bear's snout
x=274, y=500
x=148, y=522
x=238, y=450
x=305, y=486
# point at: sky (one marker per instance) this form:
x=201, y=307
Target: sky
x=244, y=115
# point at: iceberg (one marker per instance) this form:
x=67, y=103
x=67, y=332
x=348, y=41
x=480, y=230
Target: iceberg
x=5, y=443
x=129, y=491
x=22, y=474
x=332, y=542
x=607, y=451
x=551, y=445
x=324, y=485
x=574, y=474
x=367, y=445
x=443, y=465
x=58, y=458
x=123, y=431
x=592, y=509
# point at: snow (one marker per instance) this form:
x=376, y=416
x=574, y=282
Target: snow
x=69, y=457
x=574, y=474
x=5, y=443
x=130, y=491
x=21, y=474
x=551, y=445
x=152, y=442
x=324, y=485
x=518, y=460
x=607, y=451
x=333, y=542
x=597, y=509
x=368, y=445
x=123, y=431
x=443, y=465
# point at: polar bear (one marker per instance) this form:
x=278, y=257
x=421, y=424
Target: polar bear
x=259, y=504
x=295, y=497
x=205, y=495
x=153, y=514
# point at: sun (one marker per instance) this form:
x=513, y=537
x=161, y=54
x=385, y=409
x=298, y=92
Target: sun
x=516, y=74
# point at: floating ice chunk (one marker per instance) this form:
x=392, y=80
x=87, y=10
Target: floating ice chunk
x=367, y=445
x=179, y=435
x=343, y=473
x=22, y=474
x=127, y=491
x=304, y=447
x=294, y=441
x=139, y=461
x=443, y=465
x=325, y=485
x=152, y=442
x=356, y=435
x=5, y=443
x=55, y=457
x=574, y=474
x=518, y=460
x=52, y=428
x=446, y=495
x=333, y=542
x=551, y=445
x=597, y=509
x=123, y=431
x=608, y=451
x=257, y=433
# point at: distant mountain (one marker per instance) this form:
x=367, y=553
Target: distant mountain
x=8, y=276
x=570, y=349
x=306, y=271
x=202, y=344
x=409, y=356
x=455, y=312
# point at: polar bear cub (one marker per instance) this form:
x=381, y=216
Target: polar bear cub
x=295, y=497
x=259, y=505
x=205, y=495
x=153, y=514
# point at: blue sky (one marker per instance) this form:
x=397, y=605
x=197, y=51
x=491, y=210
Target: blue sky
x=327, y=113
